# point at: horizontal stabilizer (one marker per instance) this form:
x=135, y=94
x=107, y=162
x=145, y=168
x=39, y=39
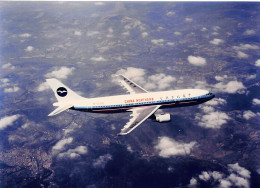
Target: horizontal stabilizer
x=60, y=109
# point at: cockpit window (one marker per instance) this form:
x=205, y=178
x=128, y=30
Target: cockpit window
x=209, y=93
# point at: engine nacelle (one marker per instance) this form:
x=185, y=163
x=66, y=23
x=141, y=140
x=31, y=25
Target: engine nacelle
x=163, y=117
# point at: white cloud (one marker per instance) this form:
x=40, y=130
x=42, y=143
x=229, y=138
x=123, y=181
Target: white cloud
x=162, y=81
x=11, y=89
x=250, y=77
x=224, y=183
x=257, y=63
x=144, y=34
x=215, y=33
x=246, y=47
x=99, y=3
x=238, y=181
x=168, y=147
x=221, y=78
x=204, y=29
x=60, y=145
x=8, y=121
x=249, y=114
x=256, y=101
x=25, y=35
x=158, y=41
x=156, y=81
x=240, y=170
x=216, y=41
x=197, y=61
x=238, y=177
x=126, y=33
x=74, y=153
x=77, y=33
x=188, y=19
x=242, y=55
x=177, y=33
x=204, y=176
x=102, y=161
x=216, y=101
x=170, y=43
x=60, y=73
x=215, y=28
x=230, y=87
x=8, y=66
x=213, y=120
x=207, y=109
x=43, y=86
x=92, y=33
x=193, y=182
x=249, y=32
x=4, y=82
x=99, y=59
x=170, y=13
x=29, y=48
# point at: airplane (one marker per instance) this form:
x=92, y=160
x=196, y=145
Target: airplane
x=140, y=102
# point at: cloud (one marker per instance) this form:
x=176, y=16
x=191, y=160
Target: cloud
x=11, y=89
x=60, y=145
x=246, y=47
x=99, y=59
x=188, y=19
x=4, y=82
x=197, y=61
x=250, y=77
x=239, y=170
x=170, y=43
x=162, y=81
x=29, y=48
x=74, y=153
x=102, y=161
x=256, y=101
x=193, y=182
x=237, y=177
x=92, y=33
x=126, y=33
x=43, y=86
x=215, y=28
x=144, y=34
x=257, y=63
x=158, y=41
x=8, y=121
x=170, y=13
x=8, y=66
x=216, y=101
x=204, y=29
x=60, y=73
x=25, y=35
x=213, y=120
x=177, y=33
x=157, y=81
x=216, y=41
x=230, y=87
x=168, y=147
x=249, y=114
x=242, y=55
x=207, y=109
x=249, y=32
x=77, y=33
x=221, y=78
x=99, y=3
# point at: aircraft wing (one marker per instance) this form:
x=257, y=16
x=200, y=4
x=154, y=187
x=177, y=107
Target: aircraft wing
x=139, y=116
x=130, y=85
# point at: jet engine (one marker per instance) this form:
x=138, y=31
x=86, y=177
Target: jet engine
x=163, y=117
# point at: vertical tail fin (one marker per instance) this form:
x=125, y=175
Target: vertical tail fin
x=62, y=92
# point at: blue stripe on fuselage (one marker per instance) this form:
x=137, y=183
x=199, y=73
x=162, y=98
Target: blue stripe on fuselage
x=168, y=103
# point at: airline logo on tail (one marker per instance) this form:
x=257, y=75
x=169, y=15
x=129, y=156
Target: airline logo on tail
x=62, y=92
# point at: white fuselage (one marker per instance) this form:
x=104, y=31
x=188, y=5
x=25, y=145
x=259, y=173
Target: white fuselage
x=173, y=98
